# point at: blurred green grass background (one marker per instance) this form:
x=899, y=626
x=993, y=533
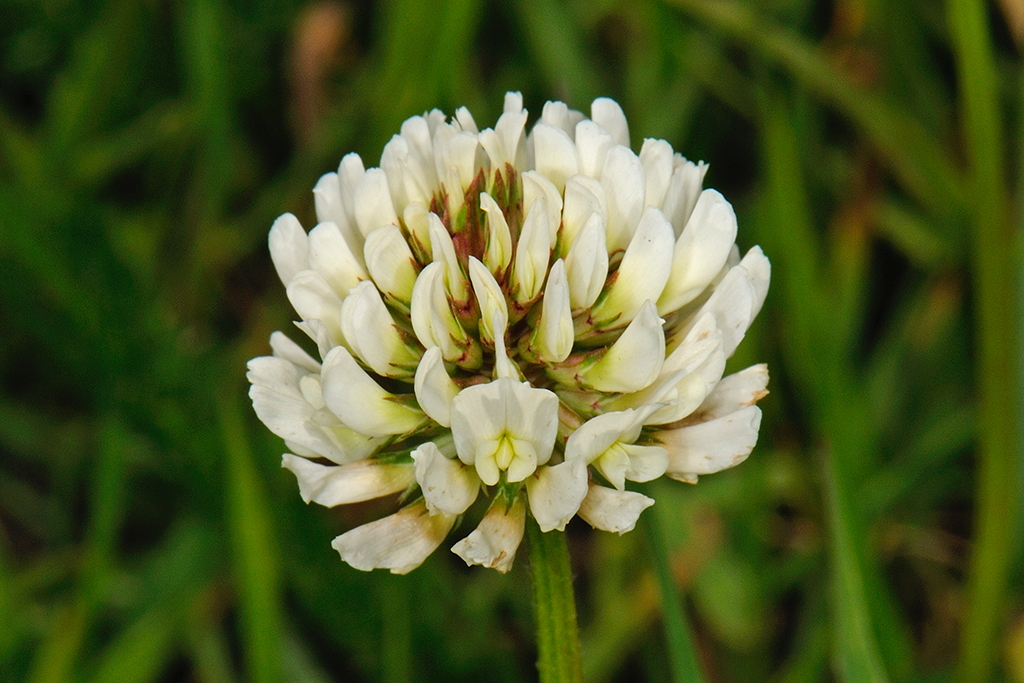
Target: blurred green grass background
x=873, y=149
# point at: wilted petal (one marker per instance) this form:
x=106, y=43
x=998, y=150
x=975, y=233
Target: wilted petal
x=390, y=262
x=610, y=510
x=360, y=402
x=554, y=154
x=331, y=485
x=700, y=252
x=711, y=446
x=635, y=359
x=498, y=251
x=289, y=247
x=642, y=275
x=623, y=181
x=552, y=339
x=434, y=388
x=495, y=541
x=448, y=485
x=400, y=542
x=555, y=493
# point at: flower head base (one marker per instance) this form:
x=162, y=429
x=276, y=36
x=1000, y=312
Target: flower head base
x=540, y=317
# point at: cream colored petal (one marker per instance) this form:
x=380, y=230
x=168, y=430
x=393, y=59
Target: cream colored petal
x=360, y=402
x=490, y=299
x=553, y=337
x=330, y=256
x=645, y=268
x=495, y=541
x=592, y=145
x=554, y=154
x=434, y=388
x=646, y=463
x=610, y=510
x=683, y=190
x=656, y=158
x=289, y=247
x=625, y=189
x=608, y=113
x=584, y=196
x=498, y=251
x=448, y=485
x=400, y=542
x=390, y=262
x=373, y=204
x=634, y=361
x=711, y=446
x=532, y=254
x=313, y=299
x=443, y=249
x=735, y=392
x=331, y=485
x=537, y=186
x=372, y=334
x=555, y=493
x=586, y=265
x=700, y=252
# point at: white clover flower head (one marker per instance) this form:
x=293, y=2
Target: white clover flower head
x=540, y=317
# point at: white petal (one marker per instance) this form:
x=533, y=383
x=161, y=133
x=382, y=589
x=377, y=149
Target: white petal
x=400, y=542
x=432, y=317
x=598, y=434
x=502, y=144
x=457, y=156
x=584, y=196
x=434, y=388
x=700, y=252
x=711, y=446
x=553, y=337
x=537, y=186
x=498, y=251
x=683, y=190
x=373, y=204
x=415, y=217
x=513, y=102
x=735, y=392
x=390, y=262
x=635, y=359
x=557, y=114
x=317, y=330
x=690, y=391
x=738, y=298
x=490, y=299
x=555, y=493
x=645, y=268
x=372, y=334
x=287, y=349
x=646, y=463
x=608, y=113
x=444, y=253
x=624, y=187
x=289, y=247
x=448, y=485
x=656, y=158
x=610, y=510
x=331, y=485
x=313, y=299
x=495, y=541
x=586, y=265
x=532, y=254
x=360, y=402
x=592, y=145
x=393, y=161
x=465, y=120
x=330, y=256
x=554, y=154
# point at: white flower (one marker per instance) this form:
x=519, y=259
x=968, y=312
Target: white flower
x=541, y=316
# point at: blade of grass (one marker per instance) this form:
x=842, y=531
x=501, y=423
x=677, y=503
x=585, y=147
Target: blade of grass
x=994, y=280
x=254, y=557
x=917, y=161
x=682, y=656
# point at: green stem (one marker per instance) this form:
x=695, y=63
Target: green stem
x=558, y=638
